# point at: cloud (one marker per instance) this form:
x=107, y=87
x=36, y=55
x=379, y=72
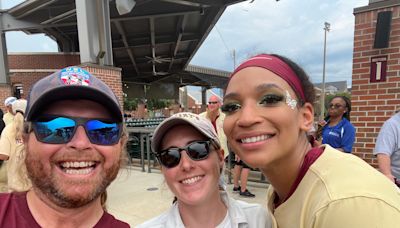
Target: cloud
x=291, y=28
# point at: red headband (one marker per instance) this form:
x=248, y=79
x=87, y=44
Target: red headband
x=276, y=66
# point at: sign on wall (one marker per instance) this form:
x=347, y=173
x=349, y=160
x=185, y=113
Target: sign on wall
x=378, y=69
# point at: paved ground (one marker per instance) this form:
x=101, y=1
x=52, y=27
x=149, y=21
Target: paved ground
x=137, y=196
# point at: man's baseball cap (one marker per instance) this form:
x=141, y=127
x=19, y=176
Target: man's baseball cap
x=200, y=123
x=71, y=83
x=9, y=100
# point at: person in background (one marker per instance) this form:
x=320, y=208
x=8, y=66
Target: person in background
x=3, y=169
x=2, y=124
x=387, y=149
x=74, y=139
x=8, y=117
x=216, y=117
x=336, y=129
x=241, y=172
x=214, y=114
x=12, y=149
x=269, y=110
x=191, y=158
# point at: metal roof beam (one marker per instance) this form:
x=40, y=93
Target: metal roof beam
x=10, y=23
x=64, y=42
x=33, y=6
x=60, y=17
x=164, y=41
x=147, y=16
x=121, y=31
x=160, y=40
x=195, y=3
x=180, y=28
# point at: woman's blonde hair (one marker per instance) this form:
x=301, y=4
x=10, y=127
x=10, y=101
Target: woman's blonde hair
x=18, y=129
x=17, y=133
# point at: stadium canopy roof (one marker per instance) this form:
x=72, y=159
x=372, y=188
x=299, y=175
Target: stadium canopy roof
x=152, y=43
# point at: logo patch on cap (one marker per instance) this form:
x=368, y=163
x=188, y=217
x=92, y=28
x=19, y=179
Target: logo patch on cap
x=75, y=76
x=187, y=115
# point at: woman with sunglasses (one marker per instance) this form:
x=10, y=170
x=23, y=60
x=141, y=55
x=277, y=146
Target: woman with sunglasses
x=269, y=110
x=12, y=149
x=336, y=129
x=191, y=158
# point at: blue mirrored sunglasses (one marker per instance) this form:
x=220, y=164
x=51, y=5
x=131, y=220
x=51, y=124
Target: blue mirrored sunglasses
x=60, y=129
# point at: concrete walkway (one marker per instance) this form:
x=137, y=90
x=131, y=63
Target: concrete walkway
x=136, y=196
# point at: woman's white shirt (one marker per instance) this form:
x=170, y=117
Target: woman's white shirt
x=240, y=214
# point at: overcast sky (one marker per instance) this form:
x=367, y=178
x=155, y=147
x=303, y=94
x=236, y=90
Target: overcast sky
x=293, y=28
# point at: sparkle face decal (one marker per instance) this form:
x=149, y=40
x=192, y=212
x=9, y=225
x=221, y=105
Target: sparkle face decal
x=292, y=103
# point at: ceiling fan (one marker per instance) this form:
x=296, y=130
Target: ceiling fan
x=158, y=59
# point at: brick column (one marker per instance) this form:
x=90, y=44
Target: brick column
x=109, y=75
x=26, y=69
x=373, y=102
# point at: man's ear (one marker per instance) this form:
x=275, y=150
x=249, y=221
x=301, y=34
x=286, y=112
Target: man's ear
x=306, y=117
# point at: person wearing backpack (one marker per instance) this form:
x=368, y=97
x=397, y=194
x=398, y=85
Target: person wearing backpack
x=336, y=129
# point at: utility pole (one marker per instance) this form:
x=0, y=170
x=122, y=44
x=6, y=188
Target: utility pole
x=327, y=29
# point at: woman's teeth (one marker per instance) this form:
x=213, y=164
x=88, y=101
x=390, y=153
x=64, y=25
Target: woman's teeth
x=255, y=139
x=191, y=180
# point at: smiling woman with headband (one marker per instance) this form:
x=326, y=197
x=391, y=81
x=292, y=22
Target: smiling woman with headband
x=269, y=110
x=191, y=158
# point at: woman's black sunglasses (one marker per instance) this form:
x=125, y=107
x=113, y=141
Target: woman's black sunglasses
x=197, y=150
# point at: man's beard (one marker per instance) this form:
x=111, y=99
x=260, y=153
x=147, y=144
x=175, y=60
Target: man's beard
x=48, y=185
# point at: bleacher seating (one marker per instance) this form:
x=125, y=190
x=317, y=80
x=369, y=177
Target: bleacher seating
x=133, y=145
x=147, y=123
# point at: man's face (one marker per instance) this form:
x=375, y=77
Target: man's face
x=213, y=104
x=73, y=174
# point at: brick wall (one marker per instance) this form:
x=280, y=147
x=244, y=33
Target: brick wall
x=5, y=91
x=42, y=60
x=373, y=103
x=109, y=75
x=26, y=69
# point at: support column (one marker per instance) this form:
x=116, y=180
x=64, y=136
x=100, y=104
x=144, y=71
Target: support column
x=94, y=31
x=4, y=73
x=5, y=84
x=203, y=98
x=185, y=99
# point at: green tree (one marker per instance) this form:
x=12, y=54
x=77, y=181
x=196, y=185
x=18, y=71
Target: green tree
x=154, y=104
x=130, y=104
